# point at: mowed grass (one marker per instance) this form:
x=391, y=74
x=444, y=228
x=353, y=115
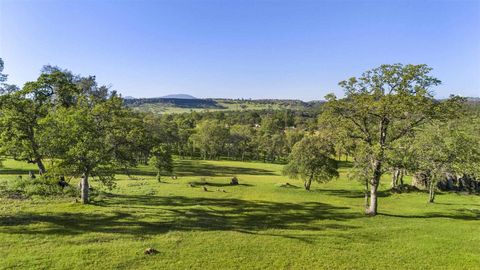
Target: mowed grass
x=255, y=225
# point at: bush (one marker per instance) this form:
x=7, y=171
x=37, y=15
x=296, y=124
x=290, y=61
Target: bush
x=41, y=186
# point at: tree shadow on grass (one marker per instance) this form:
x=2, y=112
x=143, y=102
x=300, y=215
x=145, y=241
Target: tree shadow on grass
x=16, y=171
x=178, y=213
x=349, y=193
x=201, y=168
x=211, y=184
x=461, y=214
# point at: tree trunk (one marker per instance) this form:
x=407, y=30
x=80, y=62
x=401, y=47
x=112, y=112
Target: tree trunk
x=372, y=209
x=431, y=191
x=84, y=188
x=41, y=166
x=159, y=176
x=401, y=177
x=366, y=194
x=395, y=177
x=308, y=183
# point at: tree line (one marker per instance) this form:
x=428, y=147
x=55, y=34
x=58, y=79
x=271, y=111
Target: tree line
x=387, y=122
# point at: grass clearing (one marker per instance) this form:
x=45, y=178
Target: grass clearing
x=255, y=225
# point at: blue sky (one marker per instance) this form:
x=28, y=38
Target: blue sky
x=249, y=49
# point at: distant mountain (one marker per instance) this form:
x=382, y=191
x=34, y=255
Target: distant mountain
x=128, y=97
x=179, y=96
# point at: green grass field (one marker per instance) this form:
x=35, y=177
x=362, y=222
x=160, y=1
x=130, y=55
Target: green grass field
x=255, y=225
x=159, y=108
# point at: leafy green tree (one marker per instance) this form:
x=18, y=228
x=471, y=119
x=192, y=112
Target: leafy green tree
x=311, y=160
x=161, y=159
x=382, y=106
x=23, y=110
x=19, y=135
x=80, y=139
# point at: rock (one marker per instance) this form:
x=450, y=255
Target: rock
x=150, y=251
x=234, y=181
x=420, y=180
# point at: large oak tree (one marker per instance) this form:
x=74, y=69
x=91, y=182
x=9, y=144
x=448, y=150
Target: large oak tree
x=380, y=107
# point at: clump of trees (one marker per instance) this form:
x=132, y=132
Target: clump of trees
x=444, y=148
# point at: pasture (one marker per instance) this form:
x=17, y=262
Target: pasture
x=258, y=224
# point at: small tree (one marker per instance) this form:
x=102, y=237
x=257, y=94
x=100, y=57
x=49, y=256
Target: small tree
x=161, y=159
x=311, y=160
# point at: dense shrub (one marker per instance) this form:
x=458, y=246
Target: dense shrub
x=27, y=187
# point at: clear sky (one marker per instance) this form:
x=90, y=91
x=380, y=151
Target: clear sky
x=250, y=49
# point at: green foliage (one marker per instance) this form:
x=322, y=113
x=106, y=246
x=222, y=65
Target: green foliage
x=311, y=160
x=161, y=159
x=210, y=138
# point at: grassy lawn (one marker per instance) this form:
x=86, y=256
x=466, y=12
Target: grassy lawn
x=255, y=225
x=159, y=108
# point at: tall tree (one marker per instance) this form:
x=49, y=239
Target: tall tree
x=382, y=106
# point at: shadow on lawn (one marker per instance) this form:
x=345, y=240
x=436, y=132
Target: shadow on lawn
x=202, y=168
x=349, y=193
x=179, y=213
x=463, y=214
x=211, y=184
x=16, y=171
